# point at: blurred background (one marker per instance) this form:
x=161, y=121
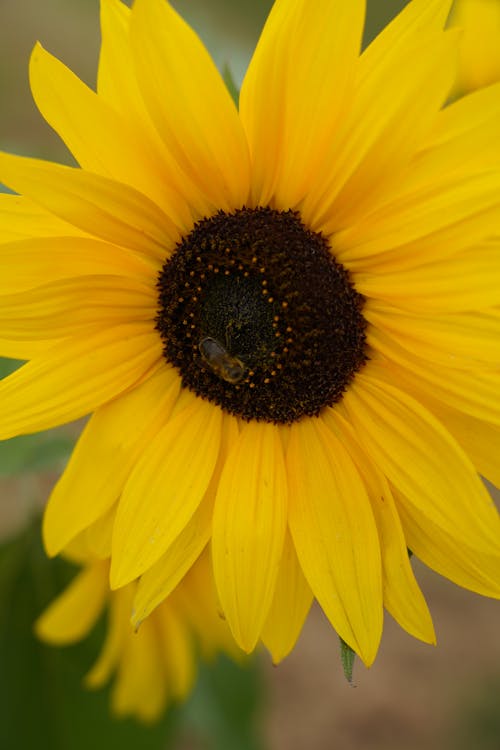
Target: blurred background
x=415, y=696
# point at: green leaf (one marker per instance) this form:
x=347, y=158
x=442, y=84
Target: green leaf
x=226, y=704
x=43, y=704
x=347, y=657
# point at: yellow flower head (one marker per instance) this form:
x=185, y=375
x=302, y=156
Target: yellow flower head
x=284, y=319
x=156, y=664
x=479, y=49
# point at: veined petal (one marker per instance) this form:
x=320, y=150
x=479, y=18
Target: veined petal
x=291, y=604
x=465, y=340
x=468, y=280
x=478, y=438
x=388, y=120
x=74, y=377
x=117, y=85
x=44, y=260
x=402, y=595
x=98, y=137
x=104, y=456
x=70, y=617
x=469, y=567
x=295, y=92
x=189, y=104
x=249, y=527
x=473, y=391
x=21, y=349
x=161, y=579
x=116, y=82
x=422, y=460
x=64, y=307
x=420, y=226
x=22, y=219
x=335, y=536
x=104, y=208
x=165, y=489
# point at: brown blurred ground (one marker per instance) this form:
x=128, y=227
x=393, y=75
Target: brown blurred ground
x=415, y=696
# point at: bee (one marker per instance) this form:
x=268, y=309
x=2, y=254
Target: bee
x=221, y=362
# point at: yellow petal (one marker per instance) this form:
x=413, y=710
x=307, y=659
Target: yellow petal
x=100, y=140
x=421, y=459
x=416, y=227
x=32, y=262
x=165, y=489
x=176, y=647
x=116, y=82
x=291, y=604
x=464, y=137
x=335, y=536
x=21, y=349
x=140, y=687
x=249, y=530
x=74, y=377
x=189, y=104
x=98, y=535
x=388, y=119
x=118, y=630
x=102, y=207
x=70, y=617
x=467, y=280
x=464, y=340
x=21, y=219
x=466, y=566
x=479, y=439
x=295, y=92
x=479, y=21
x=402, y=595
x=474, y=391
x=117, y=85
x=161, y=579
x=64, y=308
x=104, y=456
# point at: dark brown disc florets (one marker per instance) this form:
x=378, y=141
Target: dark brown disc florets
x=259, y=318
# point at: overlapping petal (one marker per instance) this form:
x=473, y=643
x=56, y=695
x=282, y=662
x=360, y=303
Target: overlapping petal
x=290, y=607
x=70, y=617
x=162, y=494
x=98, y=137
x=412, y=448
x=33, y=262
x=249, y=527
x=102, y=207
x=104, y=456
x=335, y=535
x=74, y=377
x=189, y=104
x=297, y=89
x=69, y=306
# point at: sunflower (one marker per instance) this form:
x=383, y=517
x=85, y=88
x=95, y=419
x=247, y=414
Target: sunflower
x=155, y=665
x=479, y=51
x=283, y=318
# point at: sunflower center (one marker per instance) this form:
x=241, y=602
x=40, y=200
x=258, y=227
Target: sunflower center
x=259, y=318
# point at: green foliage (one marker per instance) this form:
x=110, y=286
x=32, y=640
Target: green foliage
x=347, y=657
x=43, y=704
